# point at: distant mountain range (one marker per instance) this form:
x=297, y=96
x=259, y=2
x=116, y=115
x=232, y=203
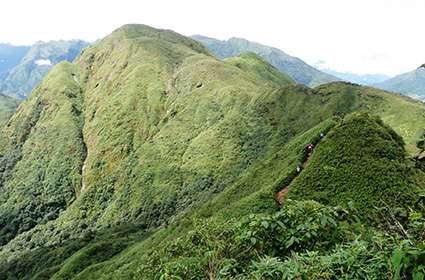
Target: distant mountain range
x=411, y=84
x=22, y=68
x=297, y=69
x=361, y=79
x=10, y=56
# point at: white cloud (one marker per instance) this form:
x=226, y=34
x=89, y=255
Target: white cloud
x=43, y=62
x=344, y=33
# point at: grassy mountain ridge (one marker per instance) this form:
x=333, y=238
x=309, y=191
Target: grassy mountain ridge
x=224, y=239
x=142, y=130
x=151, y=142
x=251, y=62
x=341, y=171
x=405, y=115
x=297, y=69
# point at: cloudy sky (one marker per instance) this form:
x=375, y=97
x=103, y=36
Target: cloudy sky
x=360, y=36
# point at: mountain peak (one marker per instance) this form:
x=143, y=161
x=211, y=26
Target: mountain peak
x=133, y=31
x=136, y=30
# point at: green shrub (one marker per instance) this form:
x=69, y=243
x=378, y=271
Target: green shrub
x=363, y=161
x=227, y=250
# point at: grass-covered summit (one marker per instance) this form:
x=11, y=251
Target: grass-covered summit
x=361, y=161
x=148, y=139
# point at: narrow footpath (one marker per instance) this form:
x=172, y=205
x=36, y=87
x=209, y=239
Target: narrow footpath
x=280, y=196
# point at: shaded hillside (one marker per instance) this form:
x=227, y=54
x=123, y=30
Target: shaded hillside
x=296, y=68
x=20, y=80
x=8, y=106
x=411, y=84
x=149, y=158
x=42, y=155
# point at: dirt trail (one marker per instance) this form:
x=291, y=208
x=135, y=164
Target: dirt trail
x=280, y=196
x=83, y=171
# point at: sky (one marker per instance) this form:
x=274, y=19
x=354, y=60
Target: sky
x=358, y=36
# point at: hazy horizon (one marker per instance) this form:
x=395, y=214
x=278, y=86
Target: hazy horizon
x=361, y=37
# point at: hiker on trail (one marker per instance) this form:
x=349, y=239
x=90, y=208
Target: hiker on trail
x=310, y=148
x=322, y=135
x=298, y=169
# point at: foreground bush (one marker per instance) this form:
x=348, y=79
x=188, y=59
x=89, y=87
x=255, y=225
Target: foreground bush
x=304, y=240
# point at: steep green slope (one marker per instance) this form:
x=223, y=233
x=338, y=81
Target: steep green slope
x=165, y=126
x=250, y=62
x=251, y=192
x=362, y=161
x=8, y=106
x=41, y=158
x=20, y=80
x=411, y=84
x=148, y=138
x=231, y=243
x=297, y=69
